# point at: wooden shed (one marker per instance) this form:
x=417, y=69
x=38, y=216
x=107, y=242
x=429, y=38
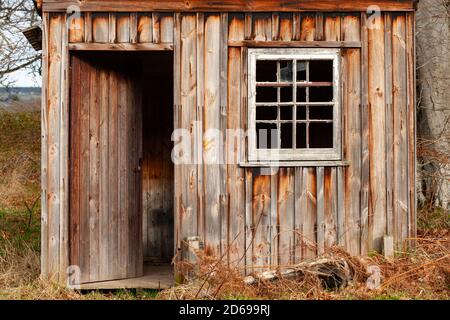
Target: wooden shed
x=261, y=132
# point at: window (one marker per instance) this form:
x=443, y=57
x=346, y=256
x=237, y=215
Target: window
x=294, y=105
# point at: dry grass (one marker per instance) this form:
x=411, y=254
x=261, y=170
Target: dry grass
x=421, y=274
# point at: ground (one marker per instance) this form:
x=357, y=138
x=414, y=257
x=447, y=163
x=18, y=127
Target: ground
x=423, y=273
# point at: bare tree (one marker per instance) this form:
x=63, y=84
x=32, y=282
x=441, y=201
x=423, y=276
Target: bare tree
x=433, y=70
x=15, y=52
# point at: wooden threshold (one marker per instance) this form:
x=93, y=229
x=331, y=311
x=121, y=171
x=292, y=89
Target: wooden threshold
x=155, y=277
x=121, y=46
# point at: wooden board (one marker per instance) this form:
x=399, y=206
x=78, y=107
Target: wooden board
x=231, y=5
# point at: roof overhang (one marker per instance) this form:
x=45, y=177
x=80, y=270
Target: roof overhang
x=226, y=5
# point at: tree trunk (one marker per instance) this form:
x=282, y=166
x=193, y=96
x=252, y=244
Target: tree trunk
x=433, y=70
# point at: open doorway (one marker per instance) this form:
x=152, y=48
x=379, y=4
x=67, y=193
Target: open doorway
x=121, y=173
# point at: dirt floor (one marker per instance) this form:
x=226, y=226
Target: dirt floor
x=423, y=273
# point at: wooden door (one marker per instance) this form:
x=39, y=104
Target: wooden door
x=105, y=174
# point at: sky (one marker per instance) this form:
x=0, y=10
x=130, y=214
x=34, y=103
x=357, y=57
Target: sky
x=23, y=78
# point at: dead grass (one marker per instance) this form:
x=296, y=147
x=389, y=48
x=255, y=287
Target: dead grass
x=423, y=273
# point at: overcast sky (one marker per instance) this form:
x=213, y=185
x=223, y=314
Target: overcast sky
x=23, y=78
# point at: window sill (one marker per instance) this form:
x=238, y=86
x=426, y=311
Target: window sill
x=283, y=164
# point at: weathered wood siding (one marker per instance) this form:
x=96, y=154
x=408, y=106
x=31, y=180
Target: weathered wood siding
x=249, y=217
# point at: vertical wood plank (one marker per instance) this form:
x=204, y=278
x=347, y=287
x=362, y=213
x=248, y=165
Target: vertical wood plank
x=320, y=211
x=54, y=106
x=188, y=196
x=177, y=125
x=44, y=145
x=319, y=27
x=211, y=125
x=261, y=205
x=275, y=26
x=64, y=157
x=112, y=28
x=104, y=218
x=156, y=27
x=296, y=26
x=330, y=196
x=286, y=21
x=262, y=27
x=236, y=185
x=85, y=84
x=349, y=230
x=248, y=26
x=93, y=177
x=365, y=159
x=332, y=30
x=100, y=26
x=113, y=154
x=133, y=28
x=75, y=162
x=144, y=28
x=310, y=219
x=87, y=27
x=390, y=221
x=123, y=27
x=412, y=135
x=299, y=212
x=76, y=28
x=377, y=143
x=166, y=25
x=286, y=216
x=249, y=228
x=224, y=197
x=307, y=32
x=400, y=124
x=199, y=129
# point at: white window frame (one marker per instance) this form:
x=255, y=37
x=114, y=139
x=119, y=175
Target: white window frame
x=332, y=154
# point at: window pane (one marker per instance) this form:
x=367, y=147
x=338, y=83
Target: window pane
x=266, y=71
x=266, y=94
x=286, y=136
x=266, y=113
x=320, y=135
x=301, y=113
x=286, y=113
x=286, y=71
x=321, y=70
x=286, y=94
x=321, y=113
x=301, y=135
x=266, y=135
x=301, y=94
x=301, y=71
x=321, y=94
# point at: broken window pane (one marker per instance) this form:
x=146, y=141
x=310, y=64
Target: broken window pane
x=301, y=113
x=301, y=71
x=286, y=71
x=301, y=94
